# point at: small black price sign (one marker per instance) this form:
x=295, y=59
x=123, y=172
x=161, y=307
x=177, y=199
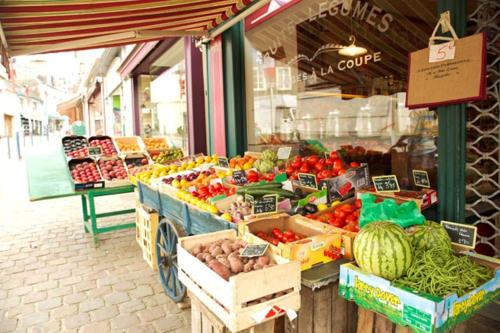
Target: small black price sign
x=249, y=199
x=308, y=180
x=421, y=178
x=223, y=162
x=461, y=234
x=256, y=250
x=386, y=183
x=95, y=151
x=240, y=177
x=265, y=204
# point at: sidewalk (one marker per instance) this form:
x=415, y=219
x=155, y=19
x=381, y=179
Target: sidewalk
x=53, y=279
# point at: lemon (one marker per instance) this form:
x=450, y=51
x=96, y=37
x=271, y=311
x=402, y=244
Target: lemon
x=227, y=217
x=335, y=203
x=322, y=207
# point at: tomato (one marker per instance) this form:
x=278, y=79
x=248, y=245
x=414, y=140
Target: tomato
x=296, y=237
x=275, y=241
x=294, y=175
x=289, y=171
x=312, y=160
x=310, y=216
x=319, y=166
x=354, y=164
x=329, y=215
x=325, y=174
x=296, y=164
x=304, y=168
x=341, y=172
x=334, y=155
x=340, y=214
x=357, y=203
x=346, y=208
x=339, y=223
x=351, y=227
x=289, y=233
x=277, y=232
x=329, y=162
x=260, y=234
x=284, y=239
x=297, y=158
x=351, y=219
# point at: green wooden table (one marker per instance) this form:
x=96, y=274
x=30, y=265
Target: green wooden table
x=49, y=178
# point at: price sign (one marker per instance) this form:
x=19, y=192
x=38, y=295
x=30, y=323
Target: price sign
x=254, y=250
x=308, y=180
x=223, y=162
x=240, y=177
x=442, y=52
x=421, y=178
x=249, y=199
x=461, y=234
x=95, y=151
x=284, y=153
x=265, y=204
x=386, y=183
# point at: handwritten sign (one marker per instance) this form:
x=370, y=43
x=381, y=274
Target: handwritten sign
x=308, y=180
x=223, y=162
x=240, y=177
x=256, y=250
x=442, y=52
x=421, y=178
x=461, y=234
x=249, y=199
x=95, y=151
x=284, y=153
x=386, y=183
x=265, y=204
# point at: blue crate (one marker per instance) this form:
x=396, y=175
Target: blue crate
x=148, y=196
x=173, y=208
x=202, y=222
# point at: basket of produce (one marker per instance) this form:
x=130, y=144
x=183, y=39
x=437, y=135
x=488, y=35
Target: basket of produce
x=129, y=144
x=415, y=274
x=155, y=143
x=85, y=174
x=113, y=171
x=212, y=267
x=75, y=146
x=165, y=156
x=134, y=161
x=105, y=143
x=293, y=237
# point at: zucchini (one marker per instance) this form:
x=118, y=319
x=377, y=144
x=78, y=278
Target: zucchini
x=262, y=192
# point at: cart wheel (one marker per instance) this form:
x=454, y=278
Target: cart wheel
x=166, y=256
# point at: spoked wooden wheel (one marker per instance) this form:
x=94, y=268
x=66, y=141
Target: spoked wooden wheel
x=166, y=255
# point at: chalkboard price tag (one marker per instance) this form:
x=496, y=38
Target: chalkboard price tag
x=266, y=204
x=284, y=153
x=223, y=162
x=421, y=178
x=256, y=250
x=461, y=234
x=240, y=177
x=249, y=199
x=308, y=180
x=386, y=183
x=95, y=151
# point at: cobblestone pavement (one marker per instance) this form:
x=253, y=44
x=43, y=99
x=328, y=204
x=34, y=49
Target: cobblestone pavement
x=54, y=279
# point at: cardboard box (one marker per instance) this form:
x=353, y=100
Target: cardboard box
x=309, y=251
x=421, y=313
x=344, y=186
x=116, y=182
x=424, y=198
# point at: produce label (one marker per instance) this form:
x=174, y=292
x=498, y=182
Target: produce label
x=344, y=186
x=308, y=180
x=240, y=177
x=386, y=183
x=265, y=204
x=461, y=234
x=254, y=250
x=421, y=178
x=279, y=178
x=315, y=198
x=95, y=151
x=217, y=198
x=284, y=153
x=223, y=162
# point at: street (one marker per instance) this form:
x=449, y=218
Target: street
x=54, y=279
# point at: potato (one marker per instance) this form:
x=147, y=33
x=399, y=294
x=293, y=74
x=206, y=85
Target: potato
x=207, y=257
x=223, y=260
x=226, y=247
x=236, y=265
x=216, y=251
x=197, y=249
x=263, y=260
x=257, y=267
x=248, y=267
x=234, y=254
x=200, y=256
x=220, y=269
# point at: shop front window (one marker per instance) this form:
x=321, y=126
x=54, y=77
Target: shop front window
x=167, y=107
x=335, y=72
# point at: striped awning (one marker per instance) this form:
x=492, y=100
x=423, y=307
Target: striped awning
x=41, y=26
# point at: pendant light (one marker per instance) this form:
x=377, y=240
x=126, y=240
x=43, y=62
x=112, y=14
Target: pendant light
x=352, y=50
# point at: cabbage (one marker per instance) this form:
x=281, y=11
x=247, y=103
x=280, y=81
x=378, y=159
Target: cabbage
x=265, y=166
x=269, y=155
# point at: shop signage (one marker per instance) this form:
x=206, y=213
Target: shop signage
x=421, y=178
x=448, y=73
x=387, y=183
x=223, y=162
x=240, y=177
x=95, y=151
x=461, y=234
x=308, y=180
x=284, y=153
x=265, y=204
x=255, y=250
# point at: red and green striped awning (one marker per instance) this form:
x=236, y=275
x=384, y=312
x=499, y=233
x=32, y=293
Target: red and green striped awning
x=40, y=26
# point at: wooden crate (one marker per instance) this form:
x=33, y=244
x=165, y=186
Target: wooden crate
x=146, y=226
x=204, y=321
x=323, y=311
x=129, y=140
x=228, y=299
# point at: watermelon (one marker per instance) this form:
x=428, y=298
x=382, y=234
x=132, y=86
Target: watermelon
x=383, y=249
x=429, y=235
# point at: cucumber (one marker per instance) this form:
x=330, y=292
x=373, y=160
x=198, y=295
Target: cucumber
x=262, y=192
x=266, y=185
